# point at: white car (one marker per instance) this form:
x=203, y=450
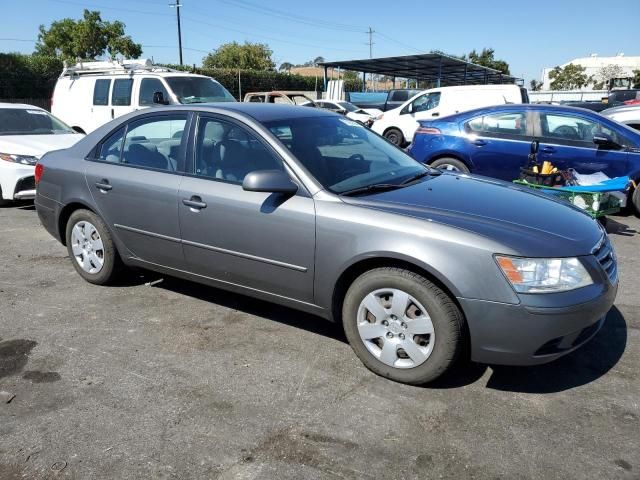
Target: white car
x=349, y=110
x=626, y=114
x=399, y=125
x=90, y=94
x=27, y=133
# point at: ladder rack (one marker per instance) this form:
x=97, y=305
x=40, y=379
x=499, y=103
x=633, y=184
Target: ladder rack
x=111, y=66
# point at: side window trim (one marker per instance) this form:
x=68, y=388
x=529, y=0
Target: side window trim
x=93, y=155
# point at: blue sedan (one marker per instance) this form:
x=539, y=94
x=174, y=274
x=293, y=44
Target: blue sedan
x=495, y=142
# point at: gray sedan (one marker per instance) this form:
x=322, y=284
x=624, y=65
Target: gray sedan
x=309, y=209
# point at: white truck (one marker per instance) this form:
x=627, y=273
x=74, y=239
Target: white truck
x=91, y=94
x=399, y=125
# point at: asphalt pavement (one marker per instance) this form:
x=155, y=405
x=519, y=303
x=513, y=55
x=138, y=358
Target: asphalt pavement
x=162, y=378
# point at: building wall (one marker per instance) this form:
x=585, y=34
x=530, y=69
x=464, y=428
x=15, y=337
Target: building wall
x=593, y=64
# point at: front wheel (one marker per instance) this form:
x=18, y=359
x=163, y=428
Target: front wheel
x=450, y=164
x=402, y=326
x=91, y=248
x=635, y=201
x=395, y=136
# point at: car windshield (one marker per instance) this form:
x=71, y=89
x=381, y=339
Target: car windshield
x=349, y=107
x=343, y=155
x=30, y=121
x=198, y=90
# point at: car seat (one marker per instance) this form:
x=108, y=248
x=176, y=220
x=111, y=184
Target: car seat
x=234, y=161
x=145, y=156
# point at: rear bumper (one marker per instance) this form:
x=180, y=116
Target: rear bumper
x=48, y=213
x=524, y=335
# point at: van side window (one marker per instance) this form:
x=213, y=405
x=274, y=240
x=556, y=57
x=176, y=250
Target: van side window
x=148, y=87
x=426, y=102
x=111, y=148
x=101, y=92
x=121, y=94
x=399, y=96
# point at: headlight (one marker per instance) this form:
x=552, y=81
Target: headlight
x=544, y=275
x=21, y=159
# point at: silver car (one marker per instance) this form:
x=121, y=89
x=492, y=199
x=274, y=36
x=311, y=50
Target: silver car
x=308, y=209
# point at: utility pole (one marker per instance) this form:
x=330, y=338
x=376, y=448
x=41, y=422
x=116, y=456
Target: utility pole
x=371, y=32
x=177, y=6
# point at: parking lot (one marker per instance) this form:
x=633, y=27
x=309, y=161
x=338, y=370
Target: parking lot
x=162, y=378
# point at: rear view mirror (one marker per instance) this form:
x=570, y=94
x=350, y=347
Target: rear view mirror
x=158, y=97
x=604, y=140
x=272, y=181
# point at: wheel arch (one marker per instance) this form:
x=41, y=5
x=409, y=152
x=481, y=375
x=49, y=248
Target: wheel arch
x=362, y=265
x=454, y=155
x=66, y=213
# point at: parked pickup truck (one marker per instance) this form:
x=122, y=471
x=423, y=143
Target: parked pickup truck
x=381, y=100
x=287, y=97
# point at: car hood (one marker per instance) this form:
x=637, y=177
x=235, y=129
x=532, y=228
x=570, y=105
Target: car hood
x=37, y=145
x=522, y=221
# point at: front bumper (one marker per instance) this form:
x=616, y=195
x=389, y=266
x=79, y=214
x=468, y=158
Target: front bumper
x=541, y=328
x=17, y=181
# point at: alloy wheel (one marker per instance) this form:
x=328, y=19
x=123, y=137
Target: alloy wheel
x=87, y=247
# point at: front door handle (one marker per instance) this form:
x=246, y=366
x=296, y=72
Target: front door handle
x=435, y=114
x=480, y=143
x=195, y=203
x=104, y=185
x=549, y=150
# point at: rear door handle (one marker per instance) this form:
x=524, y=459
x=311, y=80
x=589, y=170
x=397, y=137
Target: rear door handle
x=195, y=203
x=104, y=185
x=480, y=143
x=549, y=150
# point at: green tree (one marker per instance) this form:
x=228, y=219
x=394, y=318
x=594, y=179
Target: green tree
x=570, y=77
x=636, y=79
x=250, y=56
x=318, y=60
x=87, y=39
x=486, y=59
x=535, y=85
x=285, y=66
x=350, y=75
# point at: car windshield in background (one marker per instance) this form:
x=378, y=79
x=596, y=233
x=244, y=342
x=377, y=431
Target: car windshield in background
x=343, y=155
x=349, y=107
x=27, y=121
x=198, y=90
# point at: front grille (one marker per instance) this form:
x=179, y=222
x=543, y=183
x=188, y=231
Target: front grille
x=607, y=258
x=26, y=183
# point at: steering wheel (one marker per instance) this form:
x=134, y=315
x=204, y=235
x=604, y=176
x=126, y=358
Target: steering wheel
x=567, y=132
x=357, y=156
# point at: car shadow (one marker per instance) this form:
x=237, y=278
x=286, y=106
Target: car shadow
x=583, y=366
x=252, y=306
x=18, y=204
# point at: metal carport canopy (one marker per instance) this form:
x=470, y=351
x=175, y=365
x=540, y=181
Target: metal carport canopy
x=442, y=69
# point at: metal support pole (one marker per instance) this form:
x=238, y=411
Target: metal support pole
x=394, y=82
x=325, y=78
x=465, y=73
x=177, y=6
x=439, y=81
x=364, y=82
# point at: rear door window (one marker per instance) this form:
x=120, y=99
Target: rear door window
x=101, y=92
x=111, y=148
x=121, y=94
x=573, y=130
x=399, y=96
x=499, y=125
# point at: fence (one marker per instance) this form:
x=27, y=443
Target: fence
x=567, y=96
x=38, y=102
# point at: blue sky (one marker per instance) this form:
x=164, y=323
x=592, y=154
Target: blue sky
x=528, y=35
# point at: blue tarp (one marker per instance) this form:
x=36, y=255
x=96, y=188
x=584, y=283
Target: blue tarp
x=617, y=184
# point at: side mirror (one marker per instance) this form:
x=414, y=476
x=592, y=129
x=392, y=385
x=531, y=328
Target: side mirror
x=158, y=97
x=604, y=140
x=408, y=109
x=342, y=111
x=272, y=181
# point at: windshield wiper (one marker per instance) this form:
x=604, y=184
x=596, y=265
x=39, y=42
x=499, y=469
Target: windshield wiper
x=420, y=175
x=376, y=187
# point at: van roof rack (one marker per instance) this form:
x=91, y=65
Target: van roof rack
x=112, y=66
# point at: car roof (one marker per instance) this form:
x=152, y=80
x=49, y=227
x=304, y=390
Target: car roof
x=19, y=106
x=518, y=107
x=261, y=112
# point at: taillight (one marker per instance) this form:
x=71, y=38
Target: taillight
x=429, y=131
x=39, y=172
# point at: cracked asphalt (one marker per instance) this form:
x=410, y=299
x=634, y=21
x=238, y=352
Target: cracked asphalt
x=177, y=380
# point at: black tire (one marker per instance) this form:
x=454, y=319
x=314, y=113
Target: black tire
x=112, y=265
x=395, y=136
x=444, y=162
x=635, y=201
x=447, y=320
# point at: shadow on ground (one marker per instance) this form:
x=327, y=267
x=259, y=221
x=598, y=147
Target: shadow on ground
x=616, y=226
x=580, y=367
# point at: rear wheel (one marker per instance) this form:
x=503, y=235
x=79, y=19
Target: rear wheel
x=635, y=201
x=450, y=164
x=91, y=248
x=402, y=326
x=395, y=136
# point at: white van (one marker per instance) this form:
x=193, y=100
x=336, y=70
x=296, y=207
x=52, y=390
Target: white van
x=399, y=125
x=91, y=94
